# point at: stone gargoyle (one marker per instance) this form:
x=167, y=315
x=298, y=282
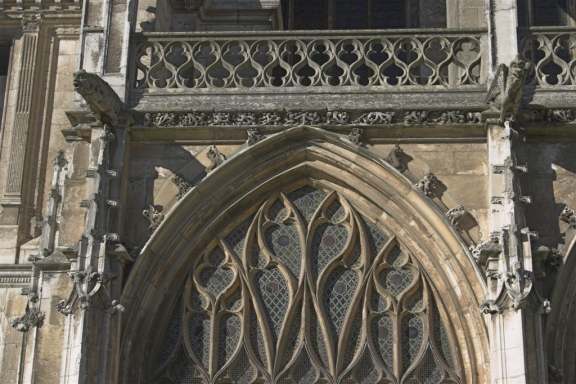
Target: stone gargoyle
x=101, y=99
x=507, y=89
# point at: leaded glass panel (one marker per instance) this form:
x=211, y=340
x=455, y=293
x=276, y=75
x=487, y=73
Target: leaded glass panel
x=306, y=290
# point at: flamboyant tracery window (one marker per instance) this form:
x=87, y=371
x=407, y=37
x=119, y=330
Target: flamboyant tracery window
x=307, y=290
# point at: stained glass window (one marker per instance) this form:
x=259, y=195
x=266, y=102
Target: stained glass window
x=306, y=290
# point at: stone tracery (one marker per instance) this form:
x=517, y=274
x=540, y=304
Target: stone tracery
x=307, y=290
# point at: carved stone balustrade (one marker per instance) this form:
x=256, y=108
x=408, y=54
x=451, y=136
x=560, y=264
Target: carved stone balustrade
x=552, y=50
x=338, y=61
x=16, y=5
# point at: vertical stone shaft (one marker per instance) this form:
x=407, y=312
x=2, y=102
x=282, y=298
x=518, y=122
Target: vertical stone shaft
x=513, y=320
x=23, y=118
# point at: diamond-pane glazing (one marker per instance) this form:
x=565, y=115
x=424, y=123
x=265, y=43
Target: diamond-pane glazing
x=285, y=244
x=335, y=212
x=273, y=291
x=377, y=236
x=307, y=200
x=216, y=280
x=262, y=282
x=237, y=237
x=397, y=280
x=340, y=289
x=228, y=338
x=199, y=330
x=412, y=337
x=240, y=371
x=382, y=332
x=328, y=242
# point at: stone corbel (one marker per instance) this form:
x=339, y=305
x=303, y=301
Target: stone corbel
x=356, y=136
x=216, y=158
x=102, y=100
x=398, y=159
x=568, y=216
x=460, y=218
x=487, y=250
x=431, y=186
x=154, y=215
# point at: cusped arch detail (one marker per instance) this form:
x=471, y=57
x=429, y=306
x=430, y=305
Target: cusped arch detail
x=303, y=156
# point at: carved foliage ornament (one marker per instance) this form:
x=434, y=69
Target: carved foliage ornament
x=307, y=290
x=292, y=118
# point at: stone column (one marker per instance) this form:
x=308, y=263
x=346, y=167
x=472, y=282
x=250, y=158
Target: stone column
x=20, y=126
x=513, y=309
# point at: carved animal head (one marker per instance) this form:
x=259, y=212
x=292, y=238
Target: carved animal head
x=85, y=83
x=519, y=68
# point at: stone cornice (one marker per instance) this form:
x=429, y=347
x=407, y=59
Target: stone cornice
x=15, y=275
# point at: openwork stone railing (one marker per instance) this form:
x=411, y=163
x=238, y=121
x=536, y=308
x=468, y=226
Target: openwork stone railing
x=387, y=59
x=552, y=50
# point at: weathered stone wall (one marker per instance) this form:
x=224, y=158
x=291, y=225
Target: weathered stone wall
x=551, y=183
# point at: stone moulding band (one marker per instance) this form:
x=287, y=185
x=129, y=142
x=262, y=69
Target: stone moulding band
x=173, y=119
x=385, y=59
x=292, y=118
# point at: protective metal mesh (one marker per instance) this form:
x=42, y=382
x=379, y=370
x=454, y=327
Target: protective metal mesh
x=228, y=338
x=215, y=280
x=273, y=291
x=382, y=332
x=397, y=280
x=199, y=330
x=340, y=289
x=328, y=242
x=307, y=200
x=412, y=337
x=237, y=237
x=285, y=244
x=304, y=352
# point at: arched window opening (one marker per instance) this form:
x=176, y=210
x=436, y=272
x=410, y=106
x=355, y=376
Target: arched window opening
x=363, y=14
x=547, y=12
x=306, y=290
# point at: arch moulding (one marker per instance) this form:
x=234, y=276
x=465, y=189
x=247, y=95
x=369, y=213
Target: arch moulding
x=299, y=156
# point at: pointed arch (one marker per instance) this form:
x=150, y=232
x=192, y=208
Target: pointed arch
x=306, y=156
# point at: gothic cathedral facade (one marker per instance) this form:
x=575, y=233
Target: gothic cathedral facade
x=287, y=191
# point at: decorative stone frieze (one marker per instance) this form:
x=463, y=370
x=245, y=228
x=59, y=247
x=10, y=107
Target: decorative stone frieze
x=318, y=118
x=254, y=136
x=14, y=279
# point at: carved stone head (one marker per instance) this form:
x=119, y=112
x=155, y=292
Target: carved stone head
x=519, y=68
x=85, y=83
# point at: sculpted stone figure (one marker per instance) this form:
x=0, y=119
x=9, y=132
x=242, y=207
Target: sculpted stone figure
x=101, y=99
x=506, y=90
